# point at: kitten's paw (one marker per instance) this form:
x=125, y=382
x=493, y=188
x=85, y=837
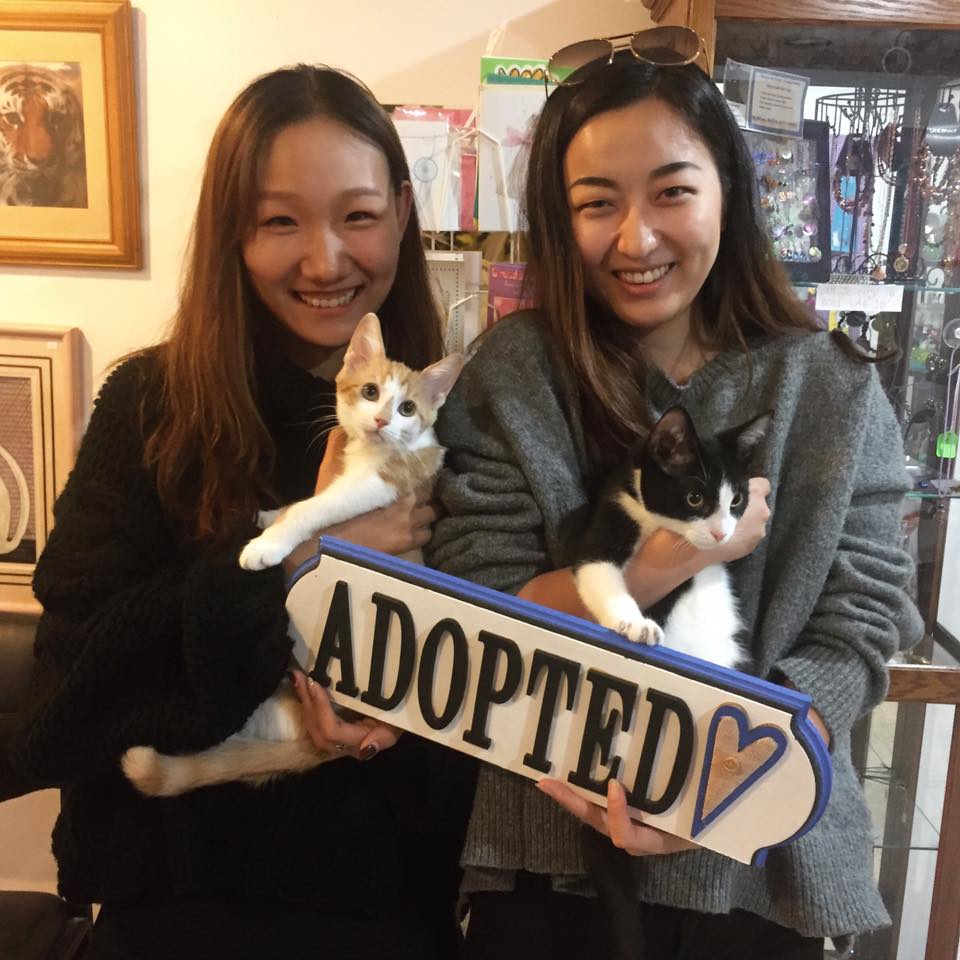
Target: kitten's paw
x=646, y=631
x=144, y=768
x=261, y=552
x=624, y=616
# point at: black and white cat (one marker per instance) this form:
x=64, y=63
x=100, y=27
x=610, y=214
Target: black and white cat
x=697, y=488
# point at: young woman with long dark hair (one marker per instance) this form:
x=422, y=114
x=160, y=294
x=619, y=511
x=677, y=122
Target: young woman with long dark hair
x=151, y=632
x=657, y=286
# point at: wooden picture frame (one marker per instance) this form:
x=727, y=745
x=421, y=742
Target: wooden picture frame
x=69, y=185
x=42, y=399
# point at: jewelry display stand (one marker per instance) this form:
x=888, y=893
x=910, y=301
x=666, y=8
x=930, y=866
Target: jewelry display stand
x=889, y=92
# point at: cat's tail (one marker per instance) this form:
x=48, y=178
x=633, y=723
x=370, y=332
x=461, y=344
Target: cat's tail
x=238, y=758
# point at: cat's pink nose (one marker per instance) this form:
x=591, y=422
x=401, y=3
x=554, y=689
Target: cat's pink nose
x=717, y=535
x=380, y=422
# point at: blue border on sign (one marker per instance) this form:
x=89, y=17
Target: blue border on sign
x=772, y=694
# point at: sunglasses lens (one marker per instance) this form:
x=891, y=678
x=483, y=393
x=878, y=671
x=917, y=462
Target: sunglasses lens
x=666, y=46
x=577, y=55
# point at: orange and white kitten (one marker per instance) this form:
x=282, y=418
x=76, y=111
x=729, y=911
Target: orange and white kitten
x=387, y=411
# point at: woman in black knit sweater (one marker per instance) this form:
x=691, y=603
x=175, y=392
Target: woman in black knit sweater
x=152, y=634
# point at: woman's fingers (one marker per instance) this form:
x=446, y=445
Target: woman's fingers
x=615, y=822
x=329, y=732
x=380, y=736
x=579, y=806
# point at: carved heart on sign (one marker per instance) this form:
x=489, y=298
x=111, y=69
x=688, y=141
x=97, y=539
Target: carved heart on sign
x=736, y=757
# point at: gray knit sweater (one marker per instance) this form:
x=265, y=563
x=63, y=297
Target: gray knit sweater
x=823, y=595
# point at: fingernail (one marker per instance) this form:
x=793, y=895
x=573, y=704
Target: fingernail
x=369, y=751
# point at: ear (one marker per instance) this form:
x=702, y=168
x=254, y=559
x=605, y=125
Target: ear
x=747, y=437
x=439, y=378
x=366, y=343
x=672, y=442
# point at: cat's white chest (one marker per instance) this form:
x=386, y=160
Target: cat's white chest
x=705, y=621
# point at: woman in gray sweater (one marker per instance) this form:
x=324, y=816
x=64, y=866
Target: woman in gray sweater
x=656, y=285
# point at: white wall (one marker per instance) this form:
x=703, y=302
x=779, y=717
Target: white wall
x=193, y=56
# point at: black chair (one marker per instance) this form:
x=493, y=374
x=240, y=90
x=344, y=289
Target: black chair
x=33, y=926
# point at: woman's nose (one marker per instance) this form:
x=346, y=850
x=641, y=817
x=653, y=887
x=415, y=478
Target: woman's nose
x=322, y=258
x=637, y=237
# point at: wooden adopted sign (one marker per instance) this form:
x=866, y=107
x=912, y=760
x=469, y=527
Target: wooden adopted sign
x=722, y=758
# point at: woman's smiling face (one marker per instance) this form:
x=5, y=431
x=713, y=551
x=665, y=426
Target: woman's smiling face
x=647, y=214
x=324, y=246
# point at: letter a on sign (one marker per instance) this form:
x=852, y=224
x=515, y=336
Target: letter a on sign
x=728, y=761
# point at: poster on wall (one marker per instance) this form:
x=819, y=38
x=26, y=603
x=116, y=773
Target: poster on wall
x=41, y=400
x=69, y=192
x=720, y=757
x=511, y=97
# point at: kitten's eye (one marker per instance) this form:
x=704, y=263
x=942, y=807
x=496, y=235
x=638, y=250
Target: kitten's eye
x=695, y=500
x=369, y=391
x=737, y=500
x=408, y=408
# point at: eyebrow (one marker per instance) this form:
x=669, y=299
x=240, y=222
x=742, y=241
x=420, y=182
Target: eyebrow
x=289, y=195
x=663, y=171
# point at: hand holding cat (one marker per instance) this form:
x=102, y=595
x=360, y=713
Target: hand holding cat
x=751, y=528
x=362, y=739
x=402, y=526
x=636, y=838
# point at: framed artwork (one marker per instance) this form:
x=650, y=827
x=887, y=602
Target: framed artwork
x=793, y=178
x=43, y=414
x=69, y=191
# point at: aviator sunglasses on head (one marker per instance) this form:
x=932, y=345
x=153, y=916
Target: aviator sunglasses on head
x=660, y=46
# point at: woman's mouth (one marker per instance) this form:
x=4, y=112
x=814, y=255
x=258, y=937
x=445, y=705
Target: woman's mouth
x=326, y=301
x=642, y=278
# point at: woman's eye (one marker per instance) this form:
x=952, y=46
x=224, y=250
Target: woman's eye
x=695, y=500
x=594, y=205
x=674, y=193
x=369, y=391
x=279, y=220
x=737, y=500
x=408, y=408
x=359, y=216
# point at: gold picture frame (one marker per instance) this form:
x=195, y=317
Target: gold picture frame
x=69, y=185
x=41, y=394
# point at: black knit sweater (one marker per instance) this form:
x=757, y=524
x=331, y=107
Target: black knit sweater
x=147, y=639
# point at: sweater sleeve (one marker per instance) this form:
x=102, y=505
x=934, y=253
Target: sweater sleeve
x=511, y=477
x=863, y=614
x=140, y=641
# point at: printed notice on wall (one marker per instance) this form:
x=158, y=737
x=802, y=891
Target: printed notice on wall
x=767, y=101
x=775, y=102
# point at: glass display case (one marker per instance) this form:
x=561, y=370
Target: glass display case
x=864, y=210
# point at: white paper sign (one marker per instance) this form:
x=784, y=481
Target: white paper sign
x=505, y=124
x=723, y=758
x=433, y=157
x=869, y=297
x=775, y=102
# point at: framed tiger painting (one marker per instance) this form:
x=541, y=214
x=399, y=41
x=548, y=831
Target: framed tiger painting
x=44, y=401
x=69, y=186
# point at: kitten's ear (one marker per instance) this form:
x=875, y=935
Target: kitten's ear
x=438, y=379
x=366, y=344
x=672, y=442
x=747, y=437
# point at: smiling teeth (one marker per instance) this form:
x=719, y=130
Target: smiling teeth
x=648, y=276
x=326, y=303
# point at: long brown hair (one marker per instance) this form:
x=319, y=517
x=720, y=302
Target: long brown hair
x=746, y=294
x=210, y=449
